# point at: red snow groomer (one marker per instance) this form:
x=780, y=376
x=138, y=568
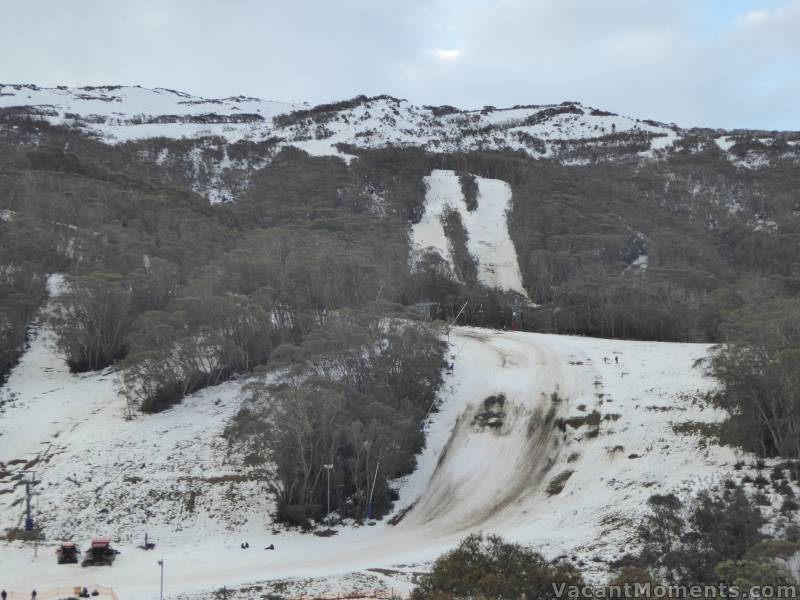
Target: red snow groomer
x=100, y=554
x=67, y=553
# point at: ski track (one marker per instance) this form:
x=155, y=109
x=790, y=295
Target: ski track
x=103, y=474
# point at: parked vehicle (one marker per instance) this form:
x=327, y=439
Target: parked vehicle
x=67, y=553
x=100, y=553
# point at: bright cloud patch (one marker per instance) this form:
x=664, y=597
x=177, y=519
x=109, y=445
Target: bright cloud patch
x=448, y=54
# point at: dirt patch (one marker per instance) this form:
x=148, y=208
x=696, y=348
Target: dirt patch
x=592, y=420
x=493, y=414
x=18, y=534
x=399, y=516
x=556, y=485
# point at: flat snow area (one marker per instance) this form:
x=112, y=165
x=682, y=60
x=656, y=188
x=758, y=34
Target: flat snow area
x=487, y=228
x=169, y=473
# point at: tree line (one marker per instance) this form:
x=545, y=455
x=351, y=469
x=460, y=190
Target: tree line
x=345, y=421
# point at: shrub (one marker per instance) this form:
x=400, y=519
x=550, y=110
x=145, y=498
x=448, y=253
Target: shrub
x=492, y=568
x=557, y=484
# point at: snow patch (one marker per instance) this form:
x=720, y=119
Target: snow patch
x=489, y=241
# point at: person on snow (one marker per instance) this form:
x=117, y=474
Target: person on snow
x=270, y=547
x=616, y=359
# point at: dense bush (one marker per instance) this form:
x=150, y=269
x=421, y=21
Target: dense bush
x=493, y=568
x=684, y=544
x=469, y=188
x=759, y=373
x=361, y=387
x=91, y=320
x=21, y=290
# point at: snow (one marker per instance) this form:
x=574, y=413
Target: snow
x=104, y=475
x=119, y=103
x=489, y=240
x=487, y=227
x=725, y=143
x=442, y=189
x=122, y=113
x=640, y=263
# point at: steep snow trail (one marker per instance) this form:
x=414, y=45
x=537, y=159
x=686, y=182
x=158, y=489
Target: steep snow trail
x=470, y=476
x=442, y=189
x=488, y=241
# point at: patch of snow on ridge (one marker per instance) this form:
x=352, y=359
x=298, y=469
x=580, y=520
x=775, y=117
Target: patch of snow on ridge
x=118, y=114
x=119, y=104
x=487, y=228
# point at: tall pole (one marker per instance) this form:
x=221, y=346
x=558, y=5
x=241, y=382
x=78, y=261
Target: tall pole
x=372, y=490
x=328, y=468
x=161, y=564
x=461, y=311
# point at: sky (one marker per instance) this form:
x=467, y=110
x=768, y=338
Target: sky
x=715, y=63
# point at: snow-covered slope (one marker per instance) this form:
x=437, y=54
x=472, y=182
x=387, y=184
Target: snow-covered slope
x=120, y=113
x=485, y=467
x=487, y=228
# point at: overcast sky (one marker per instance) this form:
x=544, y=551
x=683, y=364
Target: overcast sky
x=720, y=63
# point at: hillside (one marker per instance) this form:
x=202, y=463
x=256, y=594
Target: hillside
x=168, y=474
x=498, y=320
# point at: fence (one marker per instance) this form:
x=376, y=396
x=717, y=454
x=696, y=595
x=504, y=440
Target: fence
x=103, y=593
x=380, y=594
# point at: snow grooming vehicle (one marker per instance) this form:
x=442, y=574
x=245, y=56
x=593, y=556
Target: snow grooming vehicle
x=100, y=554
x=67, y=553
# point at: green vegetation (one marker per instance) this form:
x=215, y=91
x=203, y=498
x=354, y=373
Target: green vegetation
x=357, y=391
x=684, y=544
x=493, y=568
x=557, y=484
x=759, y=373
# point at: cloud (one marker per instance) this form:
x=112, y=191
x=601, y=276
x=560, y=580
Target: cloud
x=733, y=66
x=448, y=54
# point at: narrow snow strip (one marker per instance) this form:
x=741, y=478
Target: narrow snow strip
x=489, y=240
x=442, y=190
x=487, y=228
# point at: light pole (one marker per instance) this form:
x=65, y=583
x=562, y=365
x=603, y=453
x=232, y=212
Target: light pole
x=374, y=481
x=161, y=564
x=328, y=468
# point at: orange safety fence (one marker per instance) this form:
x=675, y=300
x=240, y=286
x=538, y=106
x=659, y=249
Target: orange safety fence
x=103, y=593
x=379, y=594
